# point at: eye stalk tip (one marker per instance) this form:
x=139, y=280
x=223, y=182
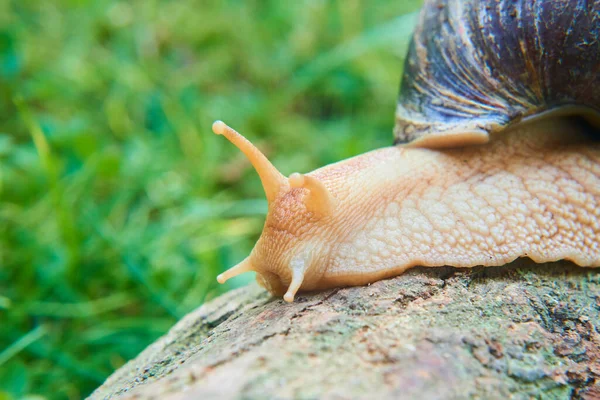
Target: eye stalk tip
x=296, y=180
x=272, y=180
x=288, y=297
x=219, y=127
x=244, y=266
x=319, y=200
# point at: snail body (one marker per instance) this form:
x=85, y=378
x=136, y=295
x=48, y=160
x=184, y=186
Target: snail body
x=476, y=180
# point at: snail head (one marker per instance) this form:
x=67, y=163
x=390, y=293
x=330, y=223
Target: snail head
x=292, y=249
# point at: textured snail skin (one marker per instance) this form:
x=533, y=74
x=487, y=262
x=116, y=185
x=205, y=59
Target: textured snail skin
x=533, y=191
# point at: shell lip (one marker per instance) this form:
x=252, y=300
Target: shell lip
x=449, y=138
x=590, y=114
x=479, y=131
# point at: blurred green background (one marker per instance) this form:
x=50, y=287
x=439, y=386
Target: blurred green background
x=118, y=206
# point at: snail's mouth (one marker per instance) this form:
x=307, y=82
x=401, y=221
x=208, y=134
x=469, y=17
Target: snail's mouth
x=272, y=282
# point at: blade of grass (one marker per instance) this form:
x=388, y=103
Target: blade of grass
x=381, y=36
x=62, y=212
x=24, y=341
x=154, y=293
x=80, y=310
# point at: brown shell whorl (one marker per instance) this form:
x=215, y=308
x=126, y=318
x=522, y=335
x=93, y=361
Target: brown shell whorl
x=475, y=66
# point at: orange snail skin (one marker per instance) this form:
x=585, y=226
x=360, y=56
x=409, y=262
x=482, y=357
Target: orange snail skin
x=533, y=191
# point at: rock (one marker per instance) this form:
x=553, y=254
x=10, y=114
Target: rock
x=523, y=330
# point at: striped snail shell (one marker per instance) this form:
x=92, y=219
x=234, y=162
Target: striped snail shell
x=475, y=67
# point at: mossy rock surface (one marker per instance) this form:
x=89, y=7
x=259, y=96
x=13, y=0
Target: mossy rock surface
x=524, y=330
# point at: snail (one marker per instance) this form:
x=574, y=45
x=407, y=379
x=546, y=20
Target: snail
x=496, y=157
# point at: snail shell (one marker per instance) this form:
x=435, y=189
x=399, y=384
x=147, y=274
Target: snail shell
x=476, y=66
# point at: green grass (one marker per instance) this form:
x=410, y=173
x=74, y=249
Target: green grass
x=118, y=206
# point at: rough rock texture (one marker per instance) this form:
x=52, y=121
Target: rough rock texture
x=520, y=331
